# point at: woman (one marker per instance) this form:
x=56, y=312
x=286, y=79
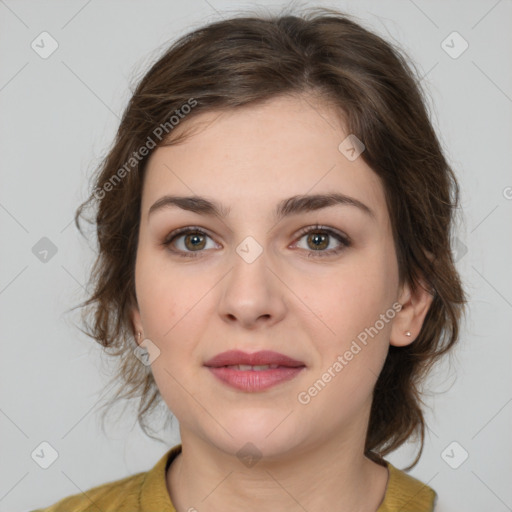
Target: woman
x=274, y=263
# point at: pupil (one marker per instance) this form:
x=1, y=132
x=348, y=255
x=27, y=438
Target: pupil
x=195, y=240
x=319, y=238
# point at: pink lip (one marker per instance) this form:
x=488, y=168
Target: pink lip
x=234, y=357
x=253, y=380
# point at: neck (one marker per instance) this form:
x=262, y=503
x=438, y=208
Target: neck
x=324, y=476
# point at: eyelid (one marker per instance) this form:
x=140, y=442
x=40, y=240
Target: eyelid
x=342, y=238
x=328, y=229
x=184, y=230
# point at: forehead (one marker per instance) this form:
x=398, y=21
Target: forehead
x=254, y=156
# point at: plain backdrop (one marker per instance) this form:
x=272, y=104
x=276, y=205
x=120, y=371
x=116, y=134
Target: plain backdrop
x=59, y=113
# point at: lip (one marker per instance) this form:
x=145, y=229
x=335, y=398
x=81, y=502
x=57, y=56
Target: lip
x=234, y=357
x=254, y=380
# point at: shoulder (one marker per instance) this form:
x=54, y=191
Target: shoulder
x=146, y=490
x=406, y=493
x=119, y=495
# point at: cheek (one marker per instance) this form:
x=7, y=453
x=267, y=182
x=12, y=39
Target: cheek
x=168, y=306
x=352, y=296
x=373, y=280
x=351, y=354
x=173, y=313
x=354, y=306
x=166, y=296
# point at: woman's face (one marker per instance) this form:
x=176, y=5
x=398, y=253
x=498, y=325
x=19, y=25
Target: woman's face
x=261, y=277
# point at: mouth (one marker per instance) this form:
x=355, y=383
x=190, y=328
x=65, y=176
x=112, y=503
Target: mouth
x=253, y=372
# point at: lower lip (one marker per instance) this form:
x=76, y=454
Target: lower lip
x=252, y=380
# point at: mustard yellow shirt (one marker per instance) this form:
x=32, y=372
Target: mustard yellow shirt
x=147, y=492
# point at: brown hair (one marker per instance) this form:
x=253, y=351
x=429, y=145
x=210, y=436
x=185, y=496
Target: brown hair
x=249, y=59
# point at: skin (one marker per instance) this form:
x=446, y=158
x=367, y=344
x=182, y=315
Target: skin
x=309, y=308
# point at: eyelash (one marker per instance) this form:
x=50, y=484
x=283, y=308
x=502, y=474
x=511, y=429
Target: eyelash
x=344, y=240
x=317, y=228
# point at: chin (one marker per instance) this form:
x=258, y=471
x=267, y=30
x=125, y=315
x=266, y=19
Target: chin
x=250, y=448
x=262, y=434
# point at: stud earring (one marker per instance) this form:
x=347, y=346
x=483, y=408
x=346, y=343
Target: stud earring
x=139, y=334
x=408, y=333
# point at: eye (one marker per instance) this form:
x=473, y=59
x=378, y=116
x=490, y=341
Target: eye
x=190, y=241
x=319, y=238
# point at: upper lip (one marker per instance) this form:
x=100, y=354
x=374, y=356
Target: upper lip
x=263, y=357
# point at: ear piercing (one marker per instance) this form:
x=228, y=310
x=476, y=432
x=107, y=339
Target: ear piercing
x=407, y=333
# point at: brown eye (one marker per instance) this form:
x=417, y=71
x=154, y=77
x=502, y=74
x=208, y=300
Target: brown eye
x=194, y=241
x=187, y=242
x=318, y=239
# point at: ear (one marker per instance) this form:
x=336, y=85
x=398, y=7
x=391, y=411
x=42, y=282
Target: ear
x=415, y=305
x=136, y=323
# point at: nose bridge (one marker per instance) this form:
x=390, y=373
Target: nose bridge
x=250, y=250
x=250, y=261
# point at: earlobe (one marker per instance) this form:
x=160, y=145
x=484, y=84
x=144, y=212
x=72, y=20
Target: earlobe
x=409, y=320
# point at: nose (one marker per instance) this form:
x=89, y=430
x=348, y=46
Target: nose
x=252, y=295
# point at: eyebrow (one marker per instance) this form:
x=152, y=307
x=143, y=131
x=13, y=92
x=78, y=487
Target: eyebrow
x=291, y=206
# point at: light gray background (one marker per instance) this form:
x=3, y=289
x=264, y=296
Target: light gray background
x=58, y=119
